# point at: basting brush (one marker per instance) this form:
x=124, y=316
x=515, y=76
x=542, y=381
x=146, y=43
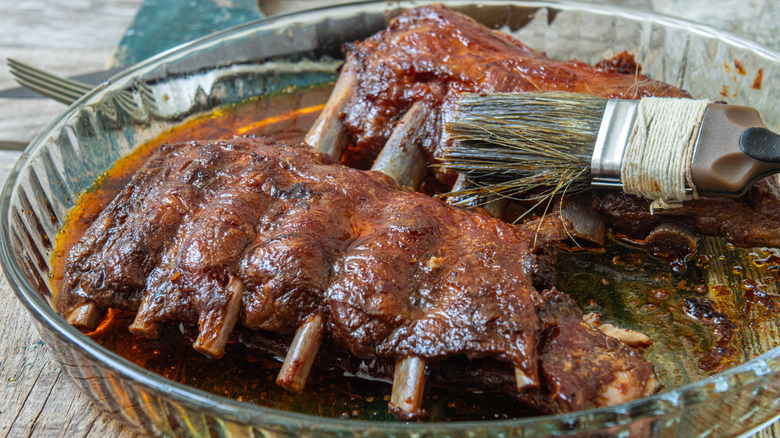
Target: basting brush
x=532, y=146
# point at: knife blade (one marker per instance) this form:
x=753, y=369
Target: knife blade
x=92, y=78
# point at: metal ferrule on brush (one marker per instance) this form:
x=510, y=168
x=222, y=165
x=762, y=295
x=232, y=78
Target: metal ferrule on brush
x=615, y=129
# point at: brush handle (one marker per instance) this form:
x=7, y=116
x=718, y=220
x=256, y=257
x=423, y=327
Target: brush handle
x=734, y=150
x=761, y=144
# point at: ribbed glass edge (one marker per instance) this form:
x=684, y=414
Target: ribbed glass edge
x=659, y=405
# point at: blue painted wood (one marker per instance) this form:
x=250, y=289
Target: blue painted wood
x=162, y=24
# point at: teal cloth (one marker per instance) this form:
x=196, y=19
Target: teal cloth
x=162, y=24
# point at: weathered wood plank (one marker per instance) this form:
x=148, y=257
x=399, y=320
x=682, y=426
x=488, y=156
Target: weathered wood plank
x=66, y=37
x=24, y=367
x=38, y=400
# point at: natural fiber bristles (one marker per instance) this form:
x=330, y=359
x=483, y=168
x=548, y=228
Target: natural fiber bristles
x=524, y=146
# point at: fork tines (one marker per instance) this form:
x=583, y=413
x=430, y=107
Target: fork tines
x=50, y=85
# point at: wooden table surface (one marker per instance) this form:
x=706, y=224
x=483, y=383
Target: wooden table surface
x=78, y=36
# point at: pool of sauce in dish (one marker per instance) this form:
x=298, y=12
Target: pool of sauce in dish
x=720, y=310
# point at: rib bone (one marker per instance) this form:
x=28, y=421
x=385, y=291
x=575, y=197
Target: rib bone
x=588, y=224
x=144, y=323
x=86, y=316
x=462, y=182
x=632, y=338
x=408, y=386
x=300, y=356
x=671, y=240
x=215, y=326
x=495, y=206
x=523, y=380
x=402, y=158
x=327, y=134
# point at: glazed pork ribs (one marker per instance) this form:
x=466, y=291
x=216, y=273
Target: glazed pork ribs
x=279, y=238
x=404, y=77
x=392, y=97
x=750, y=220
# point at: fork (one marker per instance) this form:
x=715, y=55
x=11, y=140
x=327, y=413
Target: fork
x=67, y=91
x=61, y=89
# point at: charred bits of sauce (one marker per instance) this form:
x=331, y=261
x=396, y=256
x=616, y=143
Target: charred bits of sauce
x=703, y=310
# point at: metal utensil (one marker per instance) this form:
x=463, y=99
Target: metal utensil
x=37, y=83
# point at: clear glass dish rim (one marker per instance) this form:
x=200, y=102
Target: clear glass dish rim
x=227, y=408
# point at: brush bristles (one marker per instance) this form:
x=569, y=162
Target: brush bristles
x=524, y=146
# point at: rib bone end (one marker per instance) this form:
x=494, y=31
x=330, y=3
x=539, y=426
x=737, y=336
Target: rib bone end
x=328, y=134
x=524, y=380
x=300, y=356
x=402, y=158
x=85, y=316
x=408, y=387
x=145, y=328
x=216, y=326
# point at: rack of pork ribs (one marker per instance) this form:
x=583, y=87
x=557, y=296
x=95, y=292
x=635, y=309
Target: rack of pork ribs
x=285, y=240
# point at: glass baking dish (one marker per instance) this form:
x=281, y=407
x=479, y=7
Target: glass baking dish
x=302, y=49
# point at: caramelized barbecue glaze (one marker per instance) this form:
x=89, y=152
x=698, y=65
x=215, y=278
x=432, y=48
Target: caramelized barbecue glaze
x=432, y=54
x=393, y=273
x=304, y=234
